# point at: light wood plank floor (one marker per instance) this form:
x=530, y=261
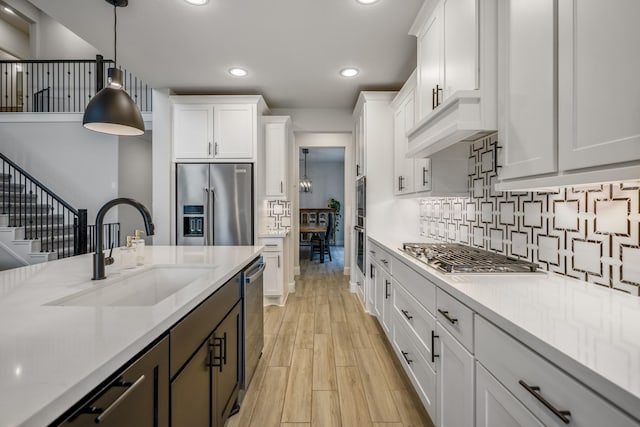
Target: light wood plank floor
x=326, y=362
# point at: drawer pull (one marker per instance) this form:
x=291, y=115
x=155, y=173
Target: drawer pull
x=384, y=261
x=217, y=361
x=445, y=314
x=386, y=289
x=372, y=252
x=405, y=355
x=535, y=391
x=406, y=314
x=119, y=400
x=271, y=245
x=372, y=272
x=433, y=346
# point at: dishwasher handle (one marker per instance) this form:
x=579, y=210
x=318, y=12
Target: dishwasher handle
x=255, y=273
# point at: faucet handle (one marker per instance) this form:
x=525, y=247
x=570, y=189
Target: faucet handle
x=108, y=260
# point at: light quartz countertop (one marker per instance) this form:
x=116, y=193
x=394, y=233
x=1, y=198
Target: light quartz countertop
x=589, y=331
x=52, y=356
x=274, y=233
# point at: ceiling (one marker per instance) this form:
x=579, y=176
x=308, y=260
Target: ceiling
x=13, y=19
x=293, y=49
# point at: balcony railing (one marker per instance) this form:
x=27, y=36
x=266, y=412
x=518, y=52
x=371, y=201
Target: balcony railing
x=61, y=86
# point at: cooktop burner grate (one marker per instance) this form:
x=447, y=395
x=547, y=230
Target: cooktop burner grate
x=457, y=258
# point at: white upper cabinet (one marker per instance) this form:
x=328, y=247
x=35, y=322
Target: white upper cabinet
x=276, y=156
x=403, y=119
x=526, y=87
x=569, y=86
x=598, y=77
x=193, y=131
x=456, y=78
x=216, y=128
x=234, y=131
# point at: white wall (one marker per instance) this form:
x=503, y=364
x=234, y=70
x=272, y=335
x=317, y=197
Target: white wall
x=79, y=165
x=14, y=41
x=52, y=40
x=327, y=182
x=318, y=119
x=162, y=170
x=134, y=177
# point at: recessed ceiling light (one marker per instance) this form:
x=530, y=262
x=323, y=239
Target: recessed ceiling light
x=367, y=1
x=238, y=72
x=6, y=9
x=197, y=2
x=349, y=72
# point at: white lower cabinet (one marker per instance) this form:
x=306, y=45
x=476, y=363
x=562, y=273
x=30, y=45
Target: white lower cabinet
x=496, y=407
x=455, y=378
x=547, y=392
x=275, y=277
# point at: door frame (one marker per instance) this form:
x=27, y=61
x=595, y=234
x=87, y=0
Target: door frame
x=324, y=140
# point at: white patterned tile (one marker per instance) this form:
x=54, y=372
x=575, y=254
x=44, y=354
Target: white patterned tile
x=446, y=211
x=630, y=272
x=463, y=234
x=486, y=212
x=586, y=256
x=471, y=212
x=442, y=230
x=566, y=215
x=519, y=242
x=487, y=162
x=532, y=214
x=611, y=217
x=548, y=250
x=452, y=233
x=457, y=211
x=478, y=236
x=507, y=213
x=496, y=240
x=478, y=188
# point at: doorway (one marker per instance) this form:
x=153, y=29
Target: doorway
x=328, y=167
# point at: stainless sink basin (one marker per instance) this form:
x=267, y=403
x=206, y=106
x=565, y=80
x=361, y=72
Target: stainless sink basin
x=145, y=288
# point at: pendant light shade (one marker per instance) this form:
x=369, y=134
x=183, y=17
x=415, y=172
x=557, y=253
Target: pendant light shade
x=112, y=110
x=305, y=182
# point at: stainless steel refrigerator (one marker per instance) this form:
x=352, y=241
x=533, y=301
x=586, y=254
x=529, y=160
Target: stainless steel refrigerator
x=214, y=203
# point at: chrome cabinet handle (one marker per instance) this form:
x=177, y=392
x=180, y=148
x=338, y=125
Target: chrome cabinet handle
x=406, y=314
x=278, y=261
x=281, y=187
x=433, y=346
x=445, y=314
x=535, y=391
x=130, y=388
x=210, y=146
x=424, y=176
x=386, y=289
x=405, y=354
x=438, y=92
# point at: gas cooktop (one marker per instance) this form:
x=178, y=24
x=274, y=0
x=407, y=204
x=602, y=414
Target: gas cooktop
x=457, y=258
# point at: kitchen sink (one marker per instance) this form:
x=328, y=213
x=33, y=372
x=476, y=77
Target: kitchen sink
x=145, y=288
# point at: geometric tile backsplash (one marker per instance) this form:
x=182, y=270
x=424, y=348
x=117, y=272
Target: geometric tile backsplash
x=278, y=215
x=589, y=232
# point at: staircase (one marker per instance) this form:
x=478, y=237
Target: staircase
x=35, y=224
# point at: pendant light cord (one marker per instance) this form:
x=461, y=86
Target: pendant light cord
x=115, y=35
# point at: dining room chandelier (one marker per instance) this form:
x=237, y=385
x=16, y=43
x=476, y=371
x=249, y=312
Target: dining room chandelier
x=305, y=182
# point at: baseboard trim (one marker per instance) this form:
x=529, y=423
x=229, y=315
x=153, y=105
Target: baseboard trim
x=296, y=270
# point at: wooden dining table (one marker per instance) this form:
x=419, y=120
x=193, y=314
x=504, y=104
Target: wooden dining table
x=315, y=228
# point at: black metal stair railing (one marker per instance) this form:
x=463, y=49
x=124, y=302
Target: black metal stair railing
x=27, y=203
x=61, y=85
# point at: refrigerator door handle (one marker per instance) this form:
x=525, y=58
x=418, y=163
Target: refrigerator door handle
x=205, y=203
x=212, y=201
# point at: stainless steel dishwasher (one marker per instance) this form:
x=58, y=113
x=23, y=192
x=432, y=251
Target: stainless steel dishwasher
x=253, y=322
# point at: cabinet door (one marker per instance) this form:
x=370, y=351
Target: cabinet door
x=234, y=130
x=430, y=63
x=275, y=161
x=225, y=365
x=139, y=397
x=403, y=167
x=455, y=382
x=598, y=69
x=526, y=87
x=496, y=407
x=190, y=403
x=460, y=21
x=272, y=273
x=359, y=143
x=192, y=131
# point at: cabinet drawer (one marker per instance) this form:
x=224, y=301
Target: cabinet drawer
x=382, y=257
x=416, y=318
x=517, y=367
x=419, y=370
x=418, y=286
x=194, y=329
x=456, y=318
x=272, y=244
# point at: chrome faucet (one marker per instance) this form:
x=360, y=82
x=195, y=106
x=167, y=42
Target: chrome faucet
x=98, y=256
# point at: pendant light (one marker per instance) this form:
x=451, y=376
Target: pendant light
x=305, y=182
x=112, y=110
